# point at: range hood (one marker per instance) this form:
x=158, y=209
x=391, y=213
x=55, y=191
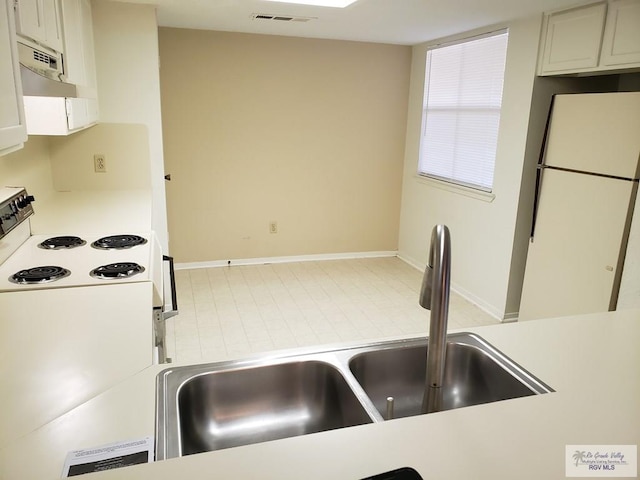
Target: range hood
x=42, y=73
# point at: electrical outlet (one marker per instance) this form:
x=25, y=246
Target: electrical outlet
x=99, y=163
x=273, y=227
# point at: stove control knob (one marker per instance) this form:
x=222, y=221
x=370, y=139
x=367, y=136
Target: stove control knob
x=25, y=200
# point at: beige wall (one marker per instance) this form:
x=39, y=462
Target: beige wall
x=308, y=133
x=126, y=151
x=482, y=231
x=29, y=167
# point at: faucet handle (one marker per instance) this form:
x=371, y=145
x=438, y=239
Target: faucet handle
x=425, y=291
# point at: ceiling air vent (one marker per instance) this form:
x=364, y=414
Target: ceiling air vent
x=280, y=18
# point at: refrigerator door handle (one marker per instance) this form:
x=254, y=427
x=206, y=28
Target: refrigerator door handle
x=539, y=169
x=536, y=199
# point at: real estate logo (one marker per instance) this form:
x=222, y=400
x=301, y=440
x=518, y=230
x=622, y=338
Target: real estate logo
x=601, y=460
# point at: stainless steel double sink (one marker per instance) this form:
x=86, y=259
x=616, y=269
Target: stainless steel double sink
x=207, y=407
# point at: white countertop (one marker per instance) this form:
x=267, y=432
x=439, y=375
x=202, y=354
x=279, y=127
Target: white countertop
x=591, y=361
x=60, y=348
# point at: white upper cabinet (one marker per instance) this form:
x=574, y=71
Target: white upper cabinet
x=594, y=38
x=64, y=116
x=59, y=115
x=65, y=26
x=79, y=58
x=39, y=21
x=573, y=39
x=13, y=132
x=621, y=43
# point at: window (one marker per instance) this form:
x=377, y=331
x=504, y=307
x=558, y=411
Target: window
x=461, y=111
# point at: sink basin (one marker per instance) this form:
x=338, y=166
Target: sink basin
x=227, y=404
x=231, y=407
x=475, y=373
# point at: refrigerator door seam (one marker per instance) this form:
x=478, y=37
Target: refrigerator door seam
x=617, y=280
x=595, y=174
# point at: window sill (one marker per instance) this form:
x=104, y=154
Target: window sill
x=459, y=189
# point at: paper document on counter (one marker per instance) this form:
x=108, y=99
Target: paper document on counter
x=108, y=457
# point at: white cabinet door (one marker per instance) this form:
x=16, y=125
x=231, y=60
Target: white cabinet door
x=88, y=48
x=573, y=38
x=13, y=132
x=53, y=25
x=81, y=113
x=78, y=43
x=30, y=19
x=621, y=43
x=73, y=58
x=573, y=262
x=39, y=20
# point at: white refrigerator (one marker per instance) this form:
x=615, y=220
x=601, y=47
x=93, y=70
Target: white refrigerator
x=585, y=193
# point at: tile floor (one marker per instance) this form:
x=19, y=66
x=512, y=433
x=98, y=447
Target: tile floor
x=228, y=312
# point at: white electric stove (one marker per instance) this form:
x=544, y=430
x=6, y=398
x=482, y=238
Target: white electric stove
x=34, y=262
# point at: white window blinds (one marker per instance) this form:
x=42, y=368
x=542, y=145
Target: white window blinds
x=461, y=111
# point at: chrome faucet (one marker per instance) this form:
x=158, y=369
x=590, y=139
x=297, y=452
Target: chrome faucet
x=434, y=296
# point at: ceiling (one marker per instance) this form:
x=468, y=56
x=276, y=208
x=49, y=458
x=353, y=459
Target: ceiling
x=406, y=22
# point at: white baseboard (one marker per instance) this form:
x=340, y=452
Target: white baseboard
x=477, y=301
x=287, y=259
x=413, y=262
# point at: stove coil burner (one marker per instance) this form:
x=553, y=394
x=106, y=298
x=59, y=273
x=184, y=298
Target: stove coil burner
x=37, y=275
x=118, y=242
x=117, y=270
x=57, y=243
